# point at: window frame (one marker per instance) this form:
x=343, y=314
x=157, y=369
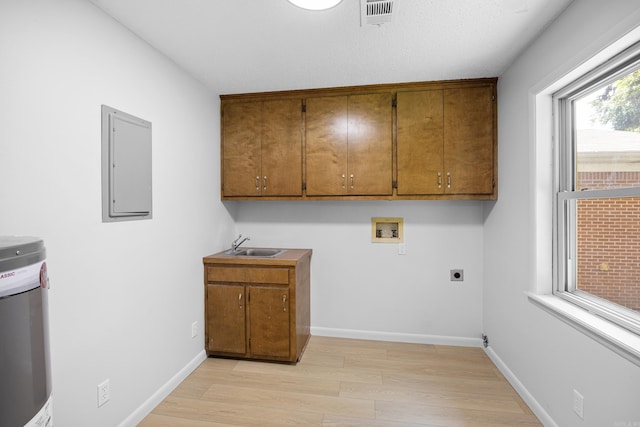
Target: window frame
x=566, y=196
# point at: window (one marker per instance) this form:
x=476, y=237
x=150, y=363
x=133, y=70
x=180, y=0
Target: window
x=597, y=204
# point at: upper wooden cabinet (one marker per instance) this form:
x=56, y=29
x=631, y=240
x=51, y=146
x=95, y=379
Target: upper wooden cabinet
x=445, y=141
x=469, y=140
x=426, y=140
x=349, y=145
x=420, y=145
x=262, y=149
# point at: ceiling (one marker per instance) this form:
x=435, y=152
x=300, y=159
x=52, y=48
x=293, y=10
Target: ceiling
x=237, y=46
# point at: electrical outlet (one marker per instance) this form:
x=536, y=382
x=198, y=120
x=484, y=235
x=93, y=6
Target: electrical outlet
x=402, y=250
x=194, y=329
x=104, y=393
x=457, y=275
x=578, y=404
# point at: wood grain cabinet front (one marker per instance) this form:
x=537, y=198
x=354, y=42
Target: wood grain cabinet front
x=405, y=141
x=262, y=150
x=263, y=311
x=257, y=311
x=226, y=314
x=349, y=145
x=445, y=141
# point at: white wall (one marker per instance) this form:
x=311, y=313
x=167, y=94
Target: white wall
x=366, y=290
x=547, y=357
x=123, y=295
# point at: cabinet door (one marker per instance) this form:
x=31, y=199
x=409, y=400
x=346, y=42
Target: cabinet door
x=469, y=140
x=326, y=146
x=269, y=322
x=420, y=142
x=281, y=150
x=226, y=331
x=241, y=152
x=370, y=164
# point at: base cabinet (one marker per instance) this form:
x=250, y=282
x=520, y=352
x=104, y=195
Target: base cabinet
x=257, y=311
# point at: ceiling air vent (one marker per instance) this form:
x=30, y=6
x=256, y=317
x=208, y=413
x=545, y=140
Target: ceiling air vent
x=376, y=12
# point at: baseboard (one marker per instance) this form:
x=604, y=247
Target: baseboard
x=528, y=398
x=145, y=409
x=397, y=337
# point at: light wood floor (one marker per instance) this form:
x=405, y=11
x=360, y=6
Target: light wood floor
x=345, y=382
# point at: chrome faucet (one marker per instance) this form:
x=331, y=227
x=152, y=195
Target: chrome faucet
x=235, y=245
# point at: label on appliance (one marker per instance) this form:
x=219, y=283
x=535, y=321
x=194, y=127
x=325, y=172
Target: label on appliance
x=44, y=276
x=22, y=279
x=44, y=418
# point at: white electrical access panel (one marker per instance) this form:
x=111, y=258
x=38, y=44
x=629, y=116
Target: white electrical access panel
x=126, y=166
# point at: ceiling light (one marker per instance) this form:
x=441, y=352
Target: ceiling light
x=315, y=4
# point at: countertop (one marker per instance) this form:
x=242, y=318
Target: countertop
x=288, y=257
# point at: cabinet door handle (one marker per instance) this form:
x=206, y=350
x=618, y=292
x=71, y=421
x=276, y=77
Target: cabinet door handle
x=351, y=180
x=264, y=181
x=439, y=180
x=284, y=303
x=240, y=300
x=257, y=183
x=343, y=182
x=448, y=180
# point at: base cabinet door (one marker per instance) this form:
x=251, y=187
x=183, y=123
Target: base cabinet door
x=226, y=313
x=269, y=322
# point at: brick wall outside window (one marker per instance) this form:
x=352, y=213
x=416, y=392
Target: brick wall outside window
x=609, y=240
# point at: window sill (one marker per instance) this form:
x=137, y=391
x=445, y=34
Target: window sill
x=623, y=342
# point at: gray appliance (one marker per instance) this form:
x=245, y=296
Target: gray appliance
x=25, y=371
